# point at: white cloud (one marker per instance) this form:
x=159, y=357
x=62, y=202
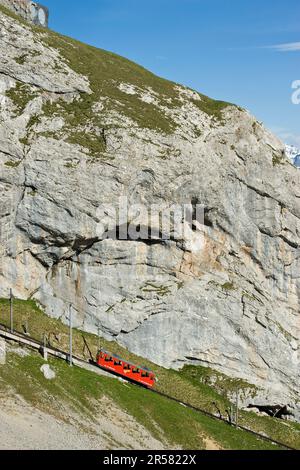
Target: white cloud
x=285, y=47
x=288, y=47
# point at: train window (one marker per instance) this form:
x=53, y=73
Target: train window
x=136, y=371
x=145, y=374
x=108, y=359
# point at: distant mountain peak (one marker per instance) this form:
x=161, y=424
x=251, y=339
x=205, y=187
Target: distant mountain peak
x=293, y=153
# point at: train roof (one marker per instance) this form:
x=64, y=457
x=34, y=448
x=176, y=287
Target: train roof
x=127, y=362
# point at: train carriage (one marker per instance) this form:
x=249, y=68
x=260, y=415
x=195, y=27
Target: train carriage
x=113, y=363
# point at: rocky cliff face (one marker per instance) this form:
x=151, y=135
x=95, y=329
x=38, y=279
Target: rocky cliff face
x=80, y=127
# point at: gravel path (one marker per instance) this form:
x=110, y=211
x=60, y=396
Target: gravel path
x=23, y=427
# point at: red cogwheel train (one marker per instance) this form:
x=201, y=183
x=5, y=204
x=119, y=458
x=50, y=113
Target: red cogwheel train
x=113, y=363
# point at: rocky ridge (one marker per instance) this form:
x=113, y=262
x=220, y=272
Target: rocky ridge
x=80, y=127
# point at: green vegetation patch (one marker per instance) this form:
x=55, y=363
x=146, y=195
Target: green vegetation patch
x=106, y=71
x=192, y=384
x=223, y=384
x=86, y=393
x=12, y=164
x=228, y=286
x=21, y=95
x=161, y=289
x=33, y=121
x=95, y=144
x=211, y=107
x=21, y=60
x=278, y=160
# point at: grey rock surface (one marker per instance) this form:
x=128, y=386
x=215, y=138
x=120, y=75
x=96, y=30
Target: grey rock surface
x=233, y=305
x=28, y=10
x=49, y=374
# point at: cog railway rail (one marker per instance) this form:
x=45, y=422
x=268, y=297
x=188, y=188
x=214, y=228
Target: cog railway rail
x=37, y=345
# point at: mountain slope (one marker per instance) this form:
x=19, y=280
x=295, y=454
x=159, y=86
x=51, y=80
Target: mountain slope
x=81, y=127
x=90, y=412
x=198, y=386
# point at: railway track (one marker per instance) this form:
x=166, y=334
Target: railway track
x=35, y=344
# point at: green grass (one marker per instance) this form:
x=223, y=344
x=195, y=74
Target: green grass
x=228, y=286
x=21, y=60
x=21, y=95
x=95, y=144
x=278, y=160
x=83, y=392
x=211, y=107
x=106, y=71
x=193, y=384
x=221, y=383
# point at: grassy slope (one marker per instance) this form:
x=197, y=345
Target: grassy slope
x=105, y=71
x=186, y=385
x=84, y=391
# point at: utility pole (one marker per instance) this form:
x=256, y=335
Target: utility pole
x=237, y=409
x=11, y=311
x=231, y=413
x=45, y=352
x=71, y=337
x=98, y=337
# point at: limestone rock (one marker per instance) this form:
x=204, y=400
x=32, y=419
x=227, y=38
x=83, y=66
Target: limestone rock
x=80, y=128
x=49, y=374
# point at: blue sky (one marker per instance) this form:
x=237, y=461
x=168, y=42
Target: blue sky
x=227, y=49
